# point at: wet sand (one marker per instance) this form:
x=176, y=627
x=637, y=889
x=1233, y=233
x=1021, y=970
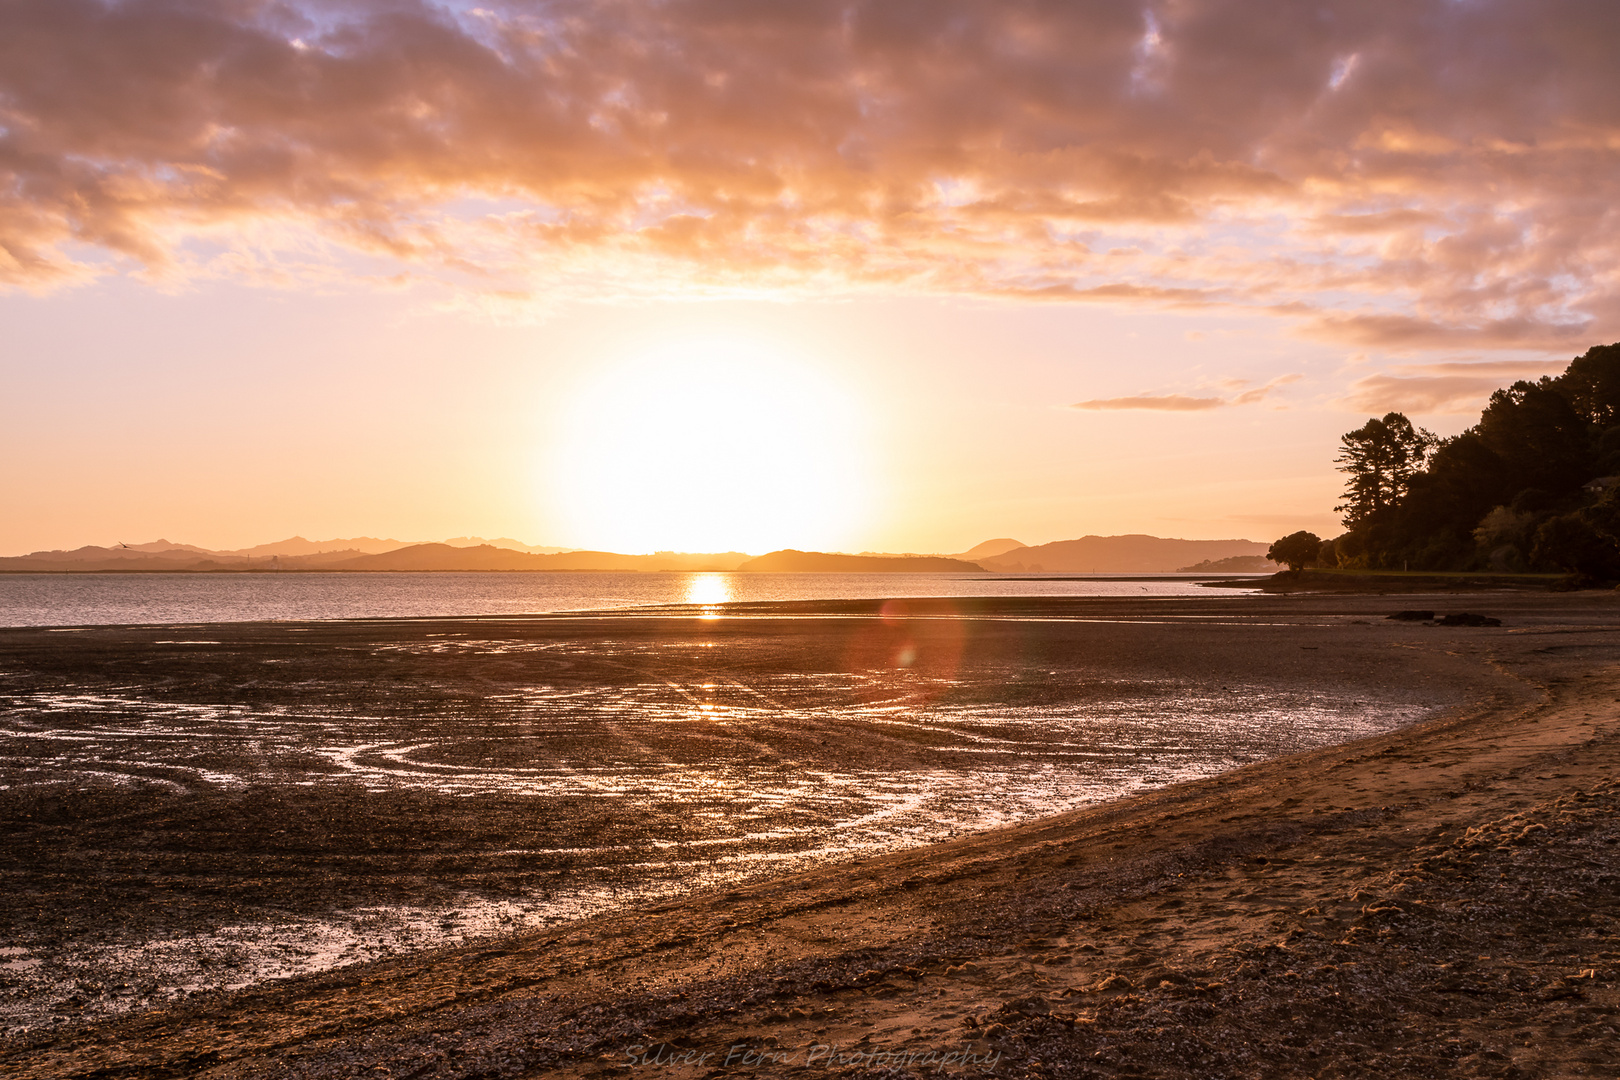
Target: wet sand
x=1437, y=900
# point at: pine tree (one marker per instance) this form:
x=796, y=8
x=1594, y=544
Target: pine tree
x=1381, y=457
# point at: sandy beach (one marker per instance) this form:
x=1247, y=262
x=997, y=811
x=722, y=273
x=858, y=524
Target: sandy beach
x=1434, y=900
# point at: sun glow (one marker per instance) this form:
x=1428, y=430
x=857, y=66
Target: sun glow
x=708, y=589
x=711, y=446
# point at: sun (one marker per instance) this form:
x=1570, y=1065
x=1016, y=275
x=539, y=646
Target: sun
x=711, y=445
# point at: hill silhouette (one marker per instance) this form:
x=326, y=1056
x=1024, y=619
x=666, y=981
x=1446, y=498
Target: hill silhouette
x=297, y=546
x=1236, y=564
x=444, y=557
x=142, y=557
x=1104, y=554
x=789, y=561
x=1134, y=553
x=989, y=549
x=152, y=558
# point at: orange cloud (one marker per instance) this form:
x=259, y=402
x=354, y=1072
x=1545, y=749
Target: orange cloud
x=1454, y=165
x=1156, y=402
x=1499, y=369
x=1258, y=393
x=1184, y=403
x=1420, y=394
x=1446, y=387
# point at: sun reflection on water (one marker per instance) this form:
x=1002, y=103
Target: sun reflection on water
x=708, y=590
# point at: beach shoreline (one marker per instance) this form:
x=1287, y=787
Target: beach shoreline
x=1371, y=908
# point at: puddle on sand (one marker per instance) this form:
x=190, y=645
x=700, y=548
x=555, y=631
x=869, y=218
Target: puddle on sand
x=112, y=979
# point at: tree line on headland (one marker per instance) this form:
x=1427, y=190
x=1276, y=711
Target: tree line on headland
x=1533, y=486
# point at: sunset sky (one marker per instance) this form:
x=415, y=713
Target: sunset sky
x=888, y=275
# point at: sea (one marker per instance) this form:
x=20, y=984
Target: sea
x=161, y=599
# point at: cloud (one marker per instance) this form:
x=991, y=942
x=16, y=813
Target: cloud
x=1154, y=402
x=1445, y=387
x=1500, y=369
x=1451, y=169
x=1420, y=394
x=1184, y=403
x=1249, y=397
x=1405, y=332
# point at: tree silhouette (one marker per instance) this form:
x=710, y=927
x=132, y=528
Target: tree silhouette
x=1534, y=485
x=1592, y=385
x=1538, y=436
x=1381, y=457
x=1296, y=550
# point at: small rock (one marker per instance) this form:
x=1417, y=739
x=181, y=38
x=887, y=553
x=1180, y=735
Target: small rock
x=1166, y=978
x=1467, y=618
x=1029, y=1006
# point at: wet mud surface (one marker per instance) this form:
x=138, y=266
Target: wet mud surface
x=1438, y=900
x=192, y=809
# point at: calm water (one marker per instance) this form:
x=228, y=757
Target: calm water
x=127, y=599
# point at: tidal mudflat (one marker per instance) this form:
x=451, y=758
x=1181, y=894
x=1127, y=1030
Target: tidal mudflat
x=197, y=808
x=1433, y=900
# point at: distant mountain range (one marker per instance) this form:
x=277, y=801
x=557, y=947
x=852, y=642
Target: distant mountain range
x=789, y=561
x=487, y=557
x=1099, y=554
x=1132, y=554
x=369, y=545
x=162, y=557
x=1237, y=564
x=989, y=549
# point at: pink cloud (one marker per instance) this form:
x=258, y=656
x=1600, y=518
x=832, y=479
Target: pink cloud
x=1185, y=403
x=1499, y=369
x=1454, y=164
x=1421, y=393
x=1259, y=393
x=1447, y=386
x=1153, y=402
